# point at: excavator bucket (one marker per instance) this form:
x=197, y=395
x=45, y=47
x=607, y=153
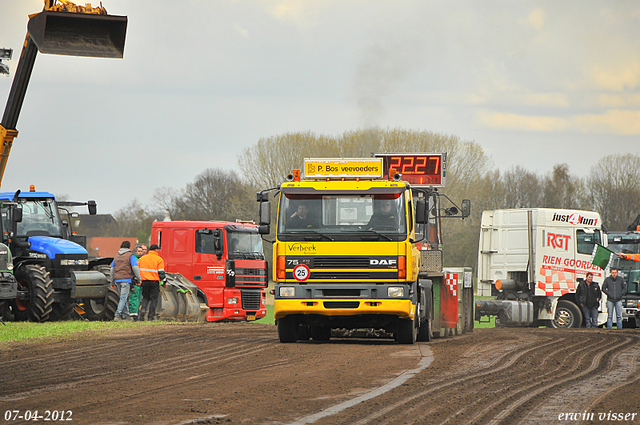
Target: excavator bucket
x=79, y=34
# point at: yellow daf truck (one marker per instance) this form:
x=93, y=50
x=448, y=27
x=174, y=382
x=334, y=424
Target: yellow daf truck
x=358, y=246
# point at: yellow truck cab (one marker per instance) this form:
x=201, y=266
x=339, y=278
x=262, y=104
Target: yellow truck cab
x=346, y=255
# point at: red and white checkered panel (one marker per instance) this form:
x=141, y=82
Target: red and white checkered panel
x=557, y=281
x=451, y=282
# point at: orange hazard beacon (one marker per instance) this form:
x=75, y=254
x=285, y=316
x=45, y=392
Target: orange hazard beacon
x=223, y=259
x=358, y=249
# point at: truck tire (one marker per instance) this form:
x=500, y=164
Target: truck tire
x=104, y=309
x=36, y=280
x=287, y=327
x=304, y=334
x=425, y=333
x=320, y=333
x=568, y=315
x=407, y=330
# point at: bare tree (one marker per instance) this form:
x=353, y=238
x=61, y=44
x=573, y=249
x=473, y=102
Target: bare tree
x=521, y=189
x=562, y=190
x=214, y=195
x=614, y=186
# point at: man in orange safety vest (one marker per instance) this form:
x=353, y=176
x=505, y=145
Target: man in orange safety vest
x=152, y=273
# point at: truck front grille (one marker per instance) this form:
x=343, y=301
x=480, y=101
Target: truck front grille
x=341, y=304
x=341, y=262
x=251, y=300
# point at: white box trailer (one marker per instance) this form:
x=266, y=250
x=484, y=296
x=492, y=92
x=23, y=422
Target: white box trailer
x=530, y=260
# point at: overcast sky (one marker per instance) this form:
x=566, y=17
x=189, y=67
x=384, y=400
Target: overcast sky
x=534, y=83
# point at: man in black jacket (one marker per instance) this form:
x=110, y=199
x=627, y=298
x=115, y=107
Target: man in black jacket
x=589, y=294
x=615, y=287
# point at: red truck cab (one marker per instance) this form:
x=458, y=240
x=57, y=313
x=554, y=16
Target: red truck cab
x=223, y=259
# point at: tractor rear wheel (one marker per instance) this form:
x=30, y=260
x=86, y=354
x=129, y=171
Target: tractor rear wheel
x=102, y=309
x=61, y=311
x=34, y=279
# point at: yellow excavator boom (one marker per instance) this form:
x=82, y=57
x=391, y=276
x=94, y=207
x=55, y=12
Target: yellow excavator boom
x=62, y=28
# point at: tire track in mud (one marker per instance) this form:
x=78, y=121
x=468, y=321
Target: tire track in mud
x=489, y=395
x=195, y=360
x=445, y=383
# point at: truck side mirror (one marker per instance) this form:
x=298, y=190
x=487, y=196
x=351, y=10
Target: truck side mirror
x=217, y=242
x=262, y=196
x=466, y=208
x=264, y=218
x=421, y=211
x=93, y=207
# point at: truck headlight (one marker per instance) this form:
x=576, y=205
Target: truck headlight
x=232, y=301
x=395, y=291
x=287, y=291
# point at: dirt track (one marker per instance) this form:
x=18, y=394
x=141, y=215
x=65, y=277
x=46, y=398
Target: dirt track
x=239, y=373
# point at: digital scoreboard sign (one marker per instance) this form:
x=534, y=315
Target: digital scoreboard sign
x=418, y=169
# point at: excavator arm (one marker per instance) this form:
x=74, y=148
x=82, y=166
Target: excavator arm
x=62, y=28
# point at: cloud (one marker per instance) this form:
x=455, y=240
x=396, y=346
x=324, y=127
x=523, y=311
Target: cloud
x=548, y=99
x=521, y=122
x=536, y=19
x=615, y=121
x=616, y=79
x=622, y=100
x=242, y=31
x=296, y=12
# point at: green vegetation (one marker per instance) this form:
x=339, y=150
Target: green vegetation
x=23, y=331
x=268, y=319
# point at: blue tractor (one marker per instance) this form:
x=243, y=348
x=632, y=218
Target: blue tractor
x=52, y=267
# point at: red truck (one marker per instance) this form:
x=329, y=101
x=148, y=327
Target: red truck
x=223, y=259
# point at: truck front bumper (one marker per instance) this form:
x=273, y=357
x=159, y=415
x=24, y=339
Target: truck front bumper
x=403, y=309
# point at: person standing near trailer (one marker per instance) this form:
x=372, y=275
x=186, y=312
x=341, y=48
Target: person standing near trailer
x=589, y=295
x=616, y=288
x=151, y=273
x=124, y=268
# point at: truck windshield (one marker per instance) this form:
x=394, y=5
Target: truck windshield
x=39, y=218
x=342, y=217
x=629, y=243
x=244, y=245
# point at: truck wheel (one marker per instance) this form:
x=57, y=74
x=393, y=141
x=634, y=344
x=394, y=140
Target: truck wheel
x=407, y=330
x=320, y=333
x=287, y=327
x=37, y=282
x=304, y=334
x=568, y=315
x=425, y=333
x=61, y=311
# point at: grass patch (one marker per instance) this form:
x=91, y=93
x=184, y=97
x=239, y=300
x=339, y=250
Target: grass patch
x=24, y=331
x=268, y=319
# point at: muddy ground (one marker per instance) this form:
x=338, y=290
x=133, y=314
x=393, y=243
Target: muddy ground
x=238, y=373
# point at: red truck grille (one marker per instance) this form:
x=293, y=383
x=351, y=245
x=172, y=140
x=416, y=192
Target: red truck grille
x=251, y=299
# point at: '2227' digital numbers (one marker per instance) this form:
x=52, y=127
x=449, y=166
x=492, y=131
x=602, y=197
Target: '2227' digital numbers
x=411, y=164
